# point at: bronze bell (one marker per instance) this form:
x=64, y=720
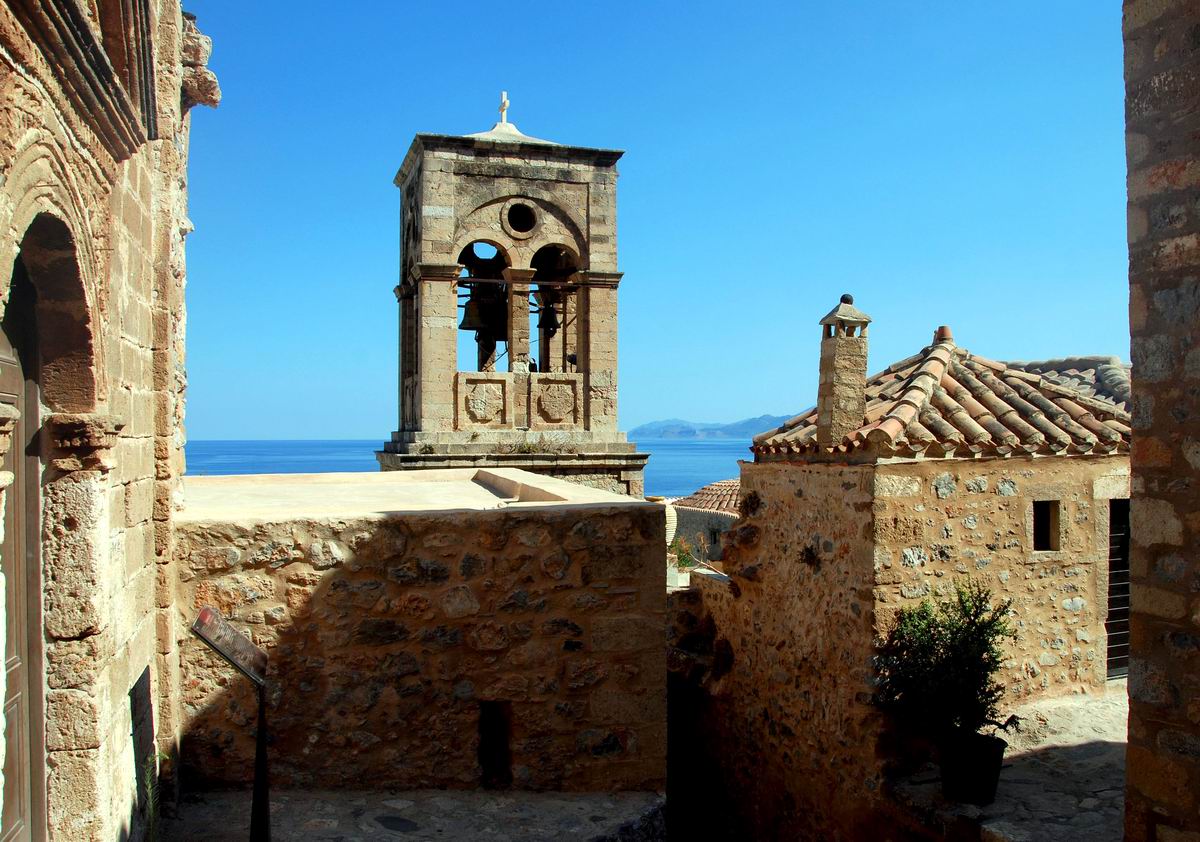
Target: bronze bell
x=548, y=319
x=473, y=318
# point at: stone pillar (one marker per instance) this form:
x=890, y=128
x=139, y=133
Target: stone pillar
x=406, y=296
x=598, y=348
x=842, y=388
x=1162, y=114
x=437, y=345
x=518, y=342
x=518, y=319
x=78, y=620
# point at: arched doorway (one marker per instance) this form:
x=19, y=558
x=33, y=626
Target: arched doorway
x=47, y=360
x=24, y=771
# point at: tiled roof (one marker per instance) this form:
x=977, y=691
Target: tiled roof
x=946, y=401
x=720, y=496
x=1105, y=377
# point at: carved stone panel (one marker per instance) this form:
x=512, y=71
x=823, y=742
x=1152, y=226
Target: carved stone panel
x=555, y=401
x=482, y=400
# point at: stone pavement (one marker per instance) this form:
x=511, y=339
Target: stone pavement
x=461, y=816
x=1063, y=777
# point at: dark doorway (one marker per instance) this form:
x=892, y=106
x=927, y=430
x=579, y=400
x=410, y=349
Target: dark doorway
x=21, y=558
x=1117, y=624
x=495, y=753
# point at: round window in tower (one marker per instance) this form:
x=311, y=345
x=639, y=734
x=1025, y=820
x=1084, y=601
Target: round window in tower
x=521, y=218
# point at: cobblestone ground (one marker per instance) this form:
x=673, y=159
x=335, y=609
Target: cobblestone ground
x=1063, y=776
x=444, y=815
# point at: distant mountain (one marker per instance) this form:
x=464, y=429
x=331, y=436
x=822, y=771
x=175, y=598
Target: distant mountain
x=675, y=428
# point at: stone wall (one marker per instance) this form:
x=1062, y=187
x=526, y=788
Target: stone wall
x=789, y=707
x=696, y=523
x=941, y=520
x=1162, y=113
x=387, y=634
x=93, y=202
x=816, y=570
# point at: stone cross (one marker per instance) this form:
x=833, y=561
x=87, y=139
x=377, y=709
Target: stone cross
x=504, y=106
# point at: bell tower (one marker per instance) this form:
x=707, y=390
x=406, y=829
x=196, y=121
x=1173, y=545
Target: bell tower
x=510, y=242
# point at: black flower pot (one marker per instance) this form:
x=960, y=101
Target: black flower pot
x=971, y=767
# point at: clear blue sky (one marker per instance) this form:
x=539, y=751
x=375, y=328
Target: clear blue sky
x=947, y=162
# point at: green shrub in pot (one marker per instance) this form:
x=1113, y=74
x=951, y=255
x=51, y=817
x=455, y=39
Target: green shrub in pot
x=937, y=674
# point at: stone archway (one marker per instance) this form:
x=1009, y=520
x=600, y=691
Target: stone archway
x=58, y=455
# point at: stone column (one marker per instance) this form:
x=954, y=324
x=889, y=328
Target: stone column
x=598, y=348
x=406, y=298
x=518, y=319
x=82, y=632
x=518, y=342
x=437, y=345
x=1162, y=114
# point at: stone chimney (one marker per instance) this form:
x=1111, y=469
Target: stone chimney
x=842, y=391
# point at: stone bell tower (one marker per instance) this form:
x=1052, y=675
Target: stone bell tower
x=512, y=240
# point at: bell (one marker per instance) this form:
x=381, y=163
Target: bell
x=473, y=316
x=548, y=319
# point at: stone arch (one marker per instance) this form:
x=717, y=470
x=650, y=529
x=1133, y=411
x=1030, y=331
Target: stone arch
x=556, y=227
x=66, y=344
x=484, y=235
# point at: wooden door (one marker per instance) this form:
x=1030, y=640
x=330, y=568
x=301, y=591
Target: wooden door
x=1117, y=624
x=22, y=817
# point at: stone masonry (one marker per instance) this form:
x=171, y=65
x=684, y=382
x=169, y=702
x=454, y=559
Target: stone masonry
x=549, y=213
x=390, y=633
x=929, y=486
x=94, y=125
x=1162, y=115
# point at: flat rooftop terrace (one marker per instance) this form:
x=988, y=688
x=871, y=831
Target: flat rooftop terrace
x=274, y=497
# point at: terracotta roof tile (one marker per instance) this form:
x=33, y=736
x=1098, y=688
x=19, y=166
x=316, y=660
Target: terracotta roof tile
x=720, y=496
x=946, y=401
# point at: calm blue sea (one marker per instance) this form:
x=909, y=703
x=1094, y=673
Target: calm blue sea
x=677, y=467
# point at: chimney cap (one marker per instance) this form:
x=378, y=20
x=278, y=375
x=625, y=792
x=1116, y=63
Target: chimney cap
x=943, y=334
x=846, y=313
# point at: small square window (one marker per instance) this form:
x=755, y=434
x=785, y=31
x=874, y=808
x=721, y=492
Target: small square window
x=1045, y=525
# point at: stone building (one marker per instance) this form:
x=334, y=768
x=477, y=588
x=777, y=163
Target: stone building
x=946, y=464
x=703, y=516
x=93, y=214
x=519, y=234
x=1162, y=117
x=458, y=628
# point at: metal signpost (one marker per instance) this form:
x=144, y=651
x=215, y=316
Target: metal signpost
x=251, y=662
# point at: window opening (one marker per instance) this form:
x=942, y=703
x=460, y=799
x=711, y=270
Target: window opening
x=1045, y=525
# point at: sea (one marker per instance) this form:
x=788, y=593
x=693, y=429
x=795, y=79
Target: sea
x=677, y=467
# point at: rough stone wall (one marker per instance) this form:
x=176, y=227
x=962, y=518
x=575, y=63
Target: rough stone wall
x=1162, y=114
x=938, y=521
x=386, y=635
x=112, y=428
x=789, y=712
x=703, y=522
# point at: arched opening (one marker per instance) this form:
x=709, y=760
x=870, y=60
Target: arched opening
x=552, y=320
x=46, y=359
x=66, y=353
x=483, y=307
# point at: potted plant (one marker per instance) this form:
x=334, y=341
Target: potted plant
x=937, y=675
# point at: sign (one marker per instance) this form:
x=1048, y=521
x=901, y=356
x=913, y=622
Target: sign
x=231, y=645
